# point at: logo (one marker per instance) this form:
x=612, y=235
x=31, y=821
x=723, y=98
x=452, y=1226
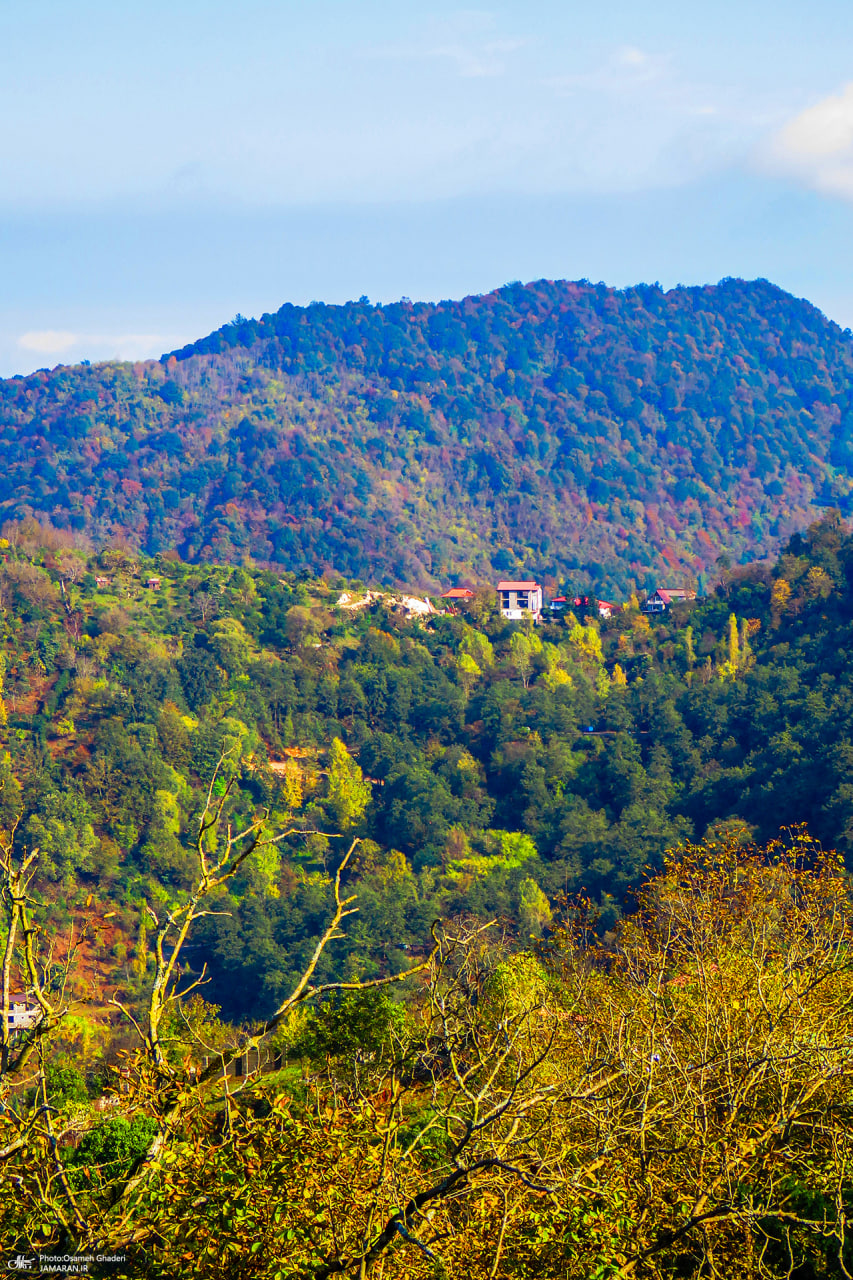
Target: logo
x=20, y=1264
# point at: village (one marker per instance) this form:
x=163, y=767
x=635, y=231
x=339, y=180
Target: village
x=517, y=601
x=522, y=599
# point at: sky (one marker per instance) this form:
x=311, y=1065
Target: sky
x=164, y=167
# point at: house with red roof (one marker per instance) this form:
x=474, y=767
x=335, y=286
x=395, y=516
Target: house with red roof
x=661, y=600
x=458, y=593
x=605, y=607
x=521, y=599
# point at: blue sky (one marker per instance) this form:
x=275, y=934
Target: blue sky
x=164, y=166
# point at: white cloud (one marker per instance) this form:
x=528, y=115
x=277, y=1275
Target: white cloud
x=629, y=56
x=817, y=144
x=49, y=342
x=467, y=41
x=626, y=70
x=95, y=346
x=473, y=62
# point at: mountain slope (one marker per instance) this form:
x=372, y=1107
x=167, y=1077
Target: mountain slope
x=584, y=433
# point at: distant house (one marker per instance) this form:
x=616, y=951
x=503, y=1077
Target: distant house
x=24, y=1012
x=153, y=584
x=101, y=583
x=517, y=599
x=458, y=593
x=605, y=607
x=659, y=601
x=559, y=604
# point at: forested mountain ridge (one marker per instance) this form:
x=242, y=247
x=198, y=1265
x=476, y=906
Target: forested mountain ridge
x=567, y=429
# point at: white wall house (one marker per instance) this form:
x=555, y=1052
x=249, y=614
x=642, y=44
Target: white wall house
x=24, y=1012
x=519, y=600
x=659, y=601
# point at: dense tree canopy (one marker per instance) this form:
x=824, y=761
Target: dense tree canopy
x=563, y=427
x=598, y=1050
x=485, y=767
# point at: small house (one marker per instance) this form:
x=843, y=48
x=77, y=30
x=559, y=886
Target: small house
x=519, y=599
x=458, y=594
x=661, y=599
x=101, y=583
x=605, y=608
x=24, y=1012
x=559, y=604
x=153, y=584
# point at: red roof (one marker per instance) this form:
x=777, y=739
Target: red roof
x=519, y=586
x=458, y=593
x=668, y=594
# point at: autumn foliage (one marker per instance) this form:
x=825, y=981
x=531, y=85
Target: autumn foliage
x=555, y=428
x=671, y=1099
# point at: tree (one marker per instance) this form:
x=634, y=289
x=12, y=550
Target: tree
x=174, y=1096
x=731, y=1161
x=734, y=647
x=780, y=598
x=673, y=1099
x=521, y=656
x=534, y=908
x=818, y=583
x=205, y=605
x=468, y=672
x=300, y=626
x=689, y=651
x=348, y=795
x=200, y=677
x=231, y=645
x=478, y=647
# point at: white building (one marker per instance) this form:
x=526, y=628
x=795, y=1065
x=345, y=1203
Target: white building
x=24, y=1012
x=520, y=599
x=661, y=600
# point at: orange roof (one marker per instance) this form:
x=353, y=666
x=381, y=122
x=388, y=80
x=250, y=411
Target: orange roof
x=519, y=586
x=458, y=593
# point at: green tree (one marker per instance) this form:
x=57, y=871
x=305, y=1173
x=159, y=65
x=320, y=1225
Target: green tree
x=348, y=795
x=231, y=645
x=534, y=907
x=734, y=645
x=521, y=656
x=468, y=672
x=478, y=647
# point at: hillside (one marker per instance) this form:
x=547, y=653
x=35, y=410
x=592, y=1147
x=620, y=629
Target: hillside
x=459, y=747
x=592, y=435
x=482, y=771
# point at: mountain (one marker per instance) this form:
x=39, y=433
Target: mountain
x=596, y=436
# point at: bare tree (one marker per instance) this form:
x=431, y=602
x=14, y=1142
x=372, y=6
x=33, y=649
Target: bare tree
x=220, y=851
x=205, y=605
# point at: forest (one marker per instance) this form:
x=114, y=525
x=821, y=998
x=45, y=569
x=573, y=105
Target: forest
x=609, y=436
x=539, y=924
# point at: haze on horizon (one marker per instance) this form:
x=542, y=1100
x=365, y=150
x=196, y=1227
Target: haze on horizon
x=165, y=166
